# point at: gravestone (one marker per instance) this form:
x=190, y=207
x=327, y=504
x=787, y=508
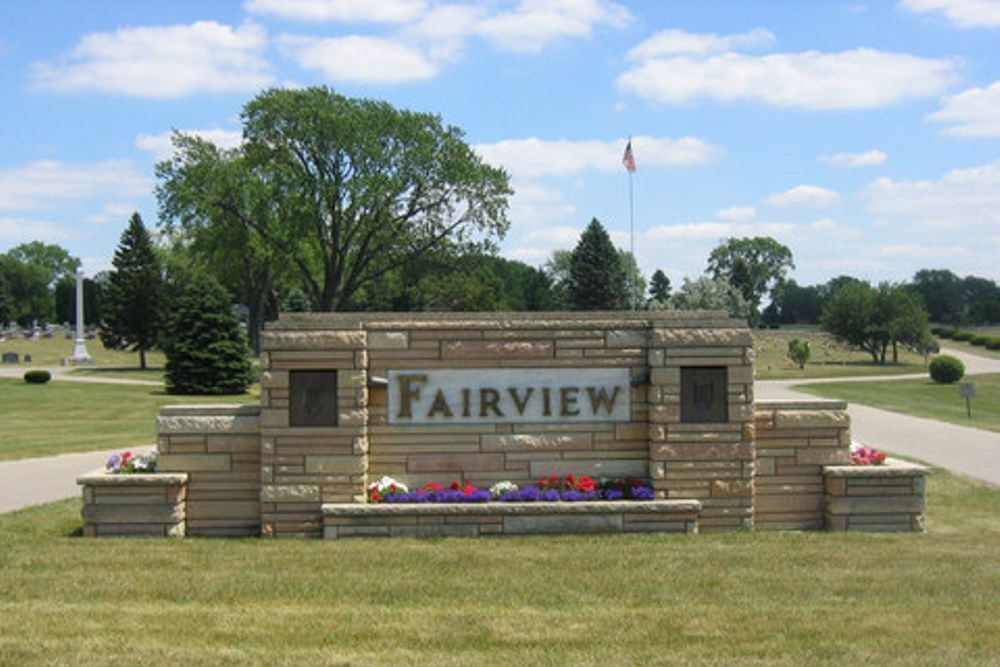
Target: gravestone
x=10, y=358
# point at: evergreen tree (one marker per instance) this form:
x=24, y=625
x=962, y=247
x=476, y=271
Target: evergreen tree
x=597, y=280
x=659, y=286
x=133, y=312
x=207, y=353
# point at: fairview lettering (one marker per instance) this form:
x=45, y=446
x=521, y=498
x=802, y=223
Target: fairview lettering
x=508, y=395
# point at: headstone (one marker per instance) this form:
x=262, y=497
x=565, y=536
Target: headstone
x=10, y=358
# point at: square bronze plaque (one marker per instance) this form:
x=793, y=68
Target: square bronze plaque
x=703, y=394
x=312, y=398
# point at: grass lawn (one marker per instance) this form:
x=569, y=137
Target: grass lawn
x=779, y=599
x=50, y=351
x=60, y=417
x=829, y=358
x=922, y=398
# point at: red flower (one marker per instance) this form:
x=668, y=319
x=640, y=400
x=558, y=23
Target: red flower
x=544, y=483
x=455, y=486
x=467, y=491
x=586, y=484
x=433, y=486
x=376, y=497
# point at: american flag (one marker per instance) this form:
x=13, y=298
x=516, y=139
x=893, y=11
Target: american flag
x=628, y=159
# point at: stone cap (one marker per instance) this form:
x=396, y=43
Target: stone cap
x=210, y=410
x=560, y=319
x=892, y=468
x=800, y=404
x=100, y=477
x=500, y=508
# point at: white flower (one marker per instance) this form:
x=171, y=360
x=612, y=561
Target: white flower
x=501, y=488
x=386, y=484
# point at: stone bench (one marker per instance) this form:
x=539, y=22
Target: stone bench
x=128, y=505
x=348, y=520
x=885, y=498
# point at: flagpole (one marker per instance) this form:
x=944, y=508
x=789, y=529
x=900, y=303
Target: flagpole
x=631, y=233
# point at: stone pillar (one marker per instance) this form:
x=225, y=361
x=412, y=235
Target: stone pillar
x=314, y=445
x=701, y=437
x=80, y=355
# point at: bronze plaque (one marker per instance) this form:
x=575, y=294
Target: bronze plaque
x=703, y=394
x=312, y=398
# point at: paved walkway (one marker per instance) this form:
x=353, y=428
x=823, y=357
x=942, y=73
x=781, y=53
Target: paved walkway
x=968, y=451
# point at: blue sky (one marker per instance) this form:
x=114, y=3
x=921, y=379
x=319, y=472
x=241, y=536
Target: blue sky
x=863, y=135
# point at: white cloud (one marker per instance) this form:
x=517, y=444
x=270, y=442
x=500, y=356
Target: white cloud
x=47, y=184
x=535, y=157
x=25, y=230
x=676, y=42
x=384, y=11
x=535, y=24
x=804, y=196
x=557, y=236
x=923, y=252
x=359, y=59
x=973, y=113
x=737, y=213
x=963, y=13
x=162, y=149
x=162, y=62
x=963, y=201
x=443, y=30
x=113, y=213
x=857, y=79
x=830, y=228
x=870, y=158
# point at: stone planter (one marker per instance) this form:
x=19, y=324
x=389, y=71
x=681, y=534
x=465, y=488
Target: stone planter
x=347, y=520
x=150, y=505
x=886, y=498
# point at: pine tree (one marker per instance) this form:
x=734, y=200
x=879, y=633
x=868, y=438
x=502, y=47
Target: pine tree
x=207, y=352
x=597, y=279
x=133, y=308
x=659, y=286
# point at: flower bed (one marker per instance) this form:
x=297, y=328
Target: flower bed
x=877, y=498
x=547, y=489
x=352, y=520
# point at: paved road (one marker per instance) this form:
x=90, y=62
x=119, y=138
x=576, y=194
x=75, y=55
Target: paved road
x=967, y=451
x=27, y=482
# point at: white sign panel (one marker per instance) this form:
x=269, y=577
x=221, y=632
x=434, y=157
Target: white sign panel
x=489, y=396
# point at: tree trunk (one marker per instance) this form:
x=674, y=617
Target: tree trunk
x=142, y=358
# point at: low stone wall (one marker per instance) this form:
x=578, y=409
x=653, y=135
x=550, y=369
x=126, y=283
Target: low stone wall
x=147, y=505
x=795, y=440
x=218, y=446
x=886, y=498
x=348, y=520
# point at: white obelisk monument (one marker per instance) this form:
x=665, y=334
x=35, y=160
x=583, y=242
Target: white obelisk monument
x=79, y=355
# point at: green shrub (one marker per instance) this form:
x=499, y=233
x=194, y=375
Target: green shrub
x=963, y=336
x=993, y=343
x=37, y=376
x=979, y=341
x=206, y=351
x=946, y=369
x=943, y=332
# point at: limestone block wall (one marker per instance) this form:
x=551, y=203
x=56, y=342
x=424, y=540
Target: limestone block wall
x=483, y=454
x=218, y=446
x=304, y=466
x=150, y=505
x=795, y=440
x=888, y=498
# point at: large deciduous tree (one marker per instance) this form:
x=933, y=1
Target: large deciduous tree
x=873, y=319
x=340, y=190
x=133, y=307
x=596, y=278
x=754, y=266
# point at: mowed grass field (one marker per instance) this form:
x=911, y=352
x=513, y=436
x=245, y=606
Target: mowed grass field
x=829, y=357
x=769, y=599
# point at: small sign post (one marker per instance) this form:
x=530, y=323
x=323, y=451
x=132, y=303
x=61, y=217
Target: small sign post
x=967, y=390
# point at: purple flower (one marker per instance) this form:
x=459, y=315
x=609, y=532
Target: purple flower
x=642, y=493
x=613, y=494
